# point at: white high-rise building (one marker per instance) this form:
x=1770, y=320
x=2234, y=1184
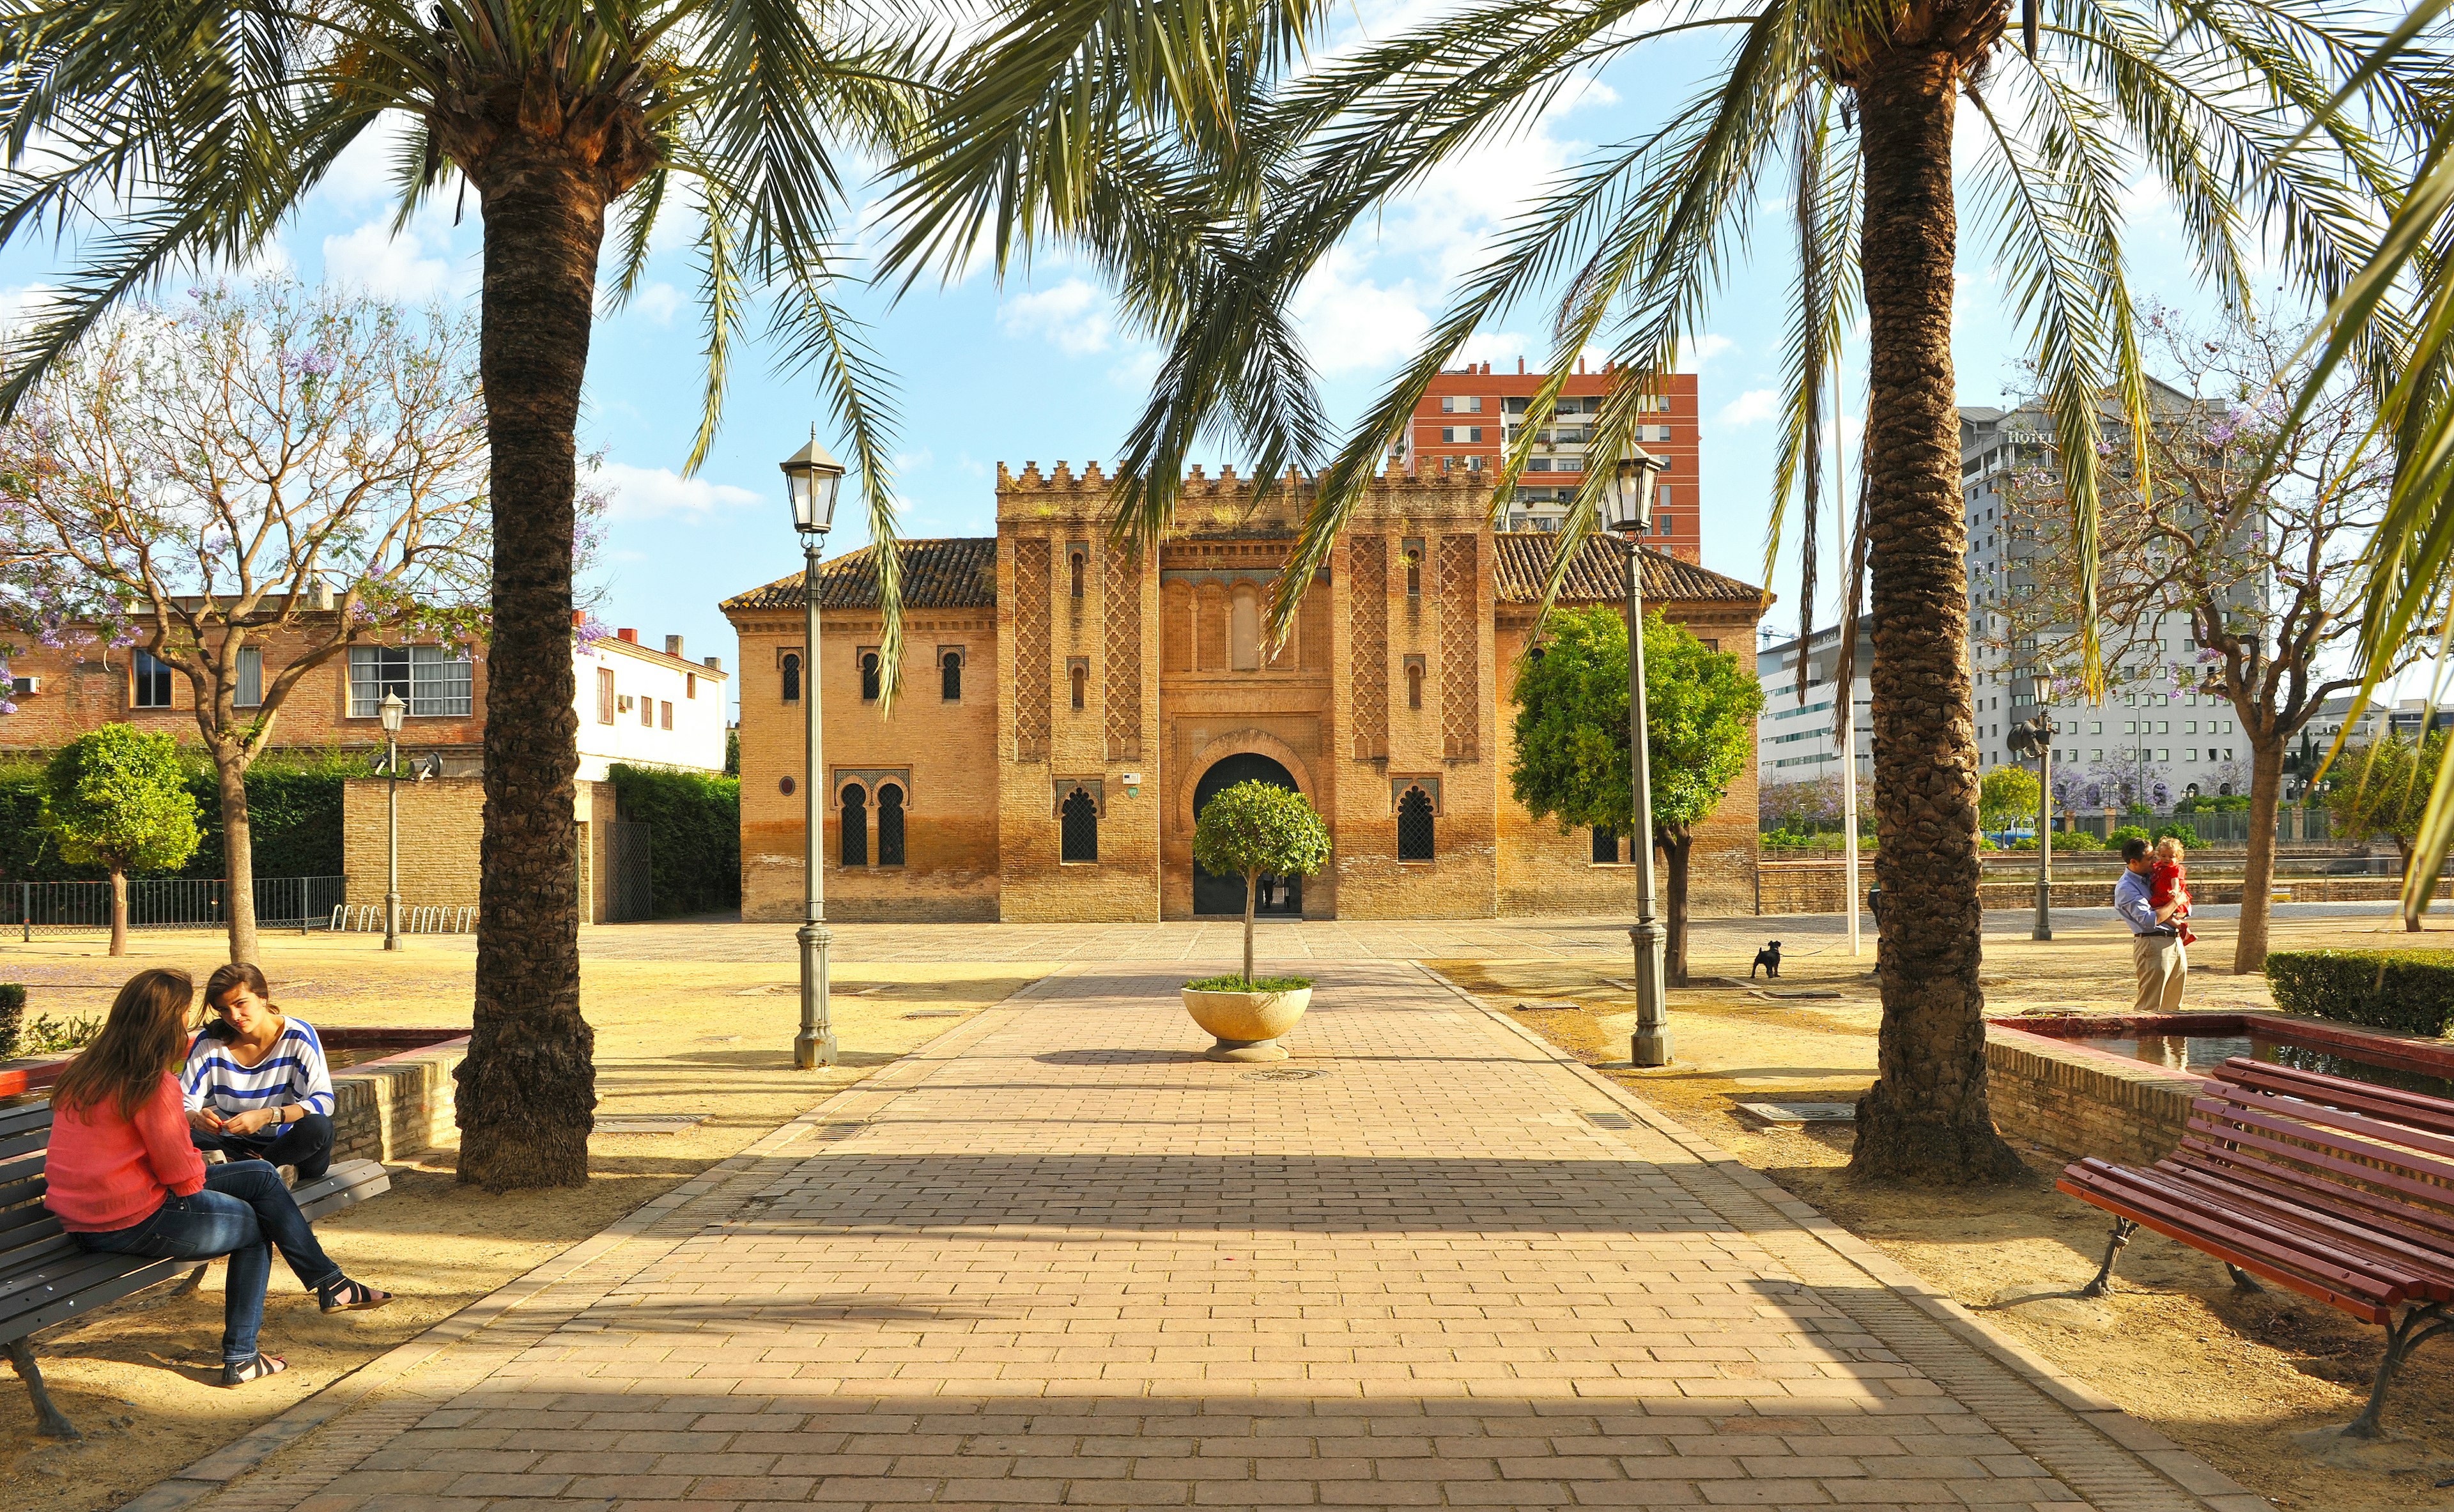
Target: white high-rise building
x=1796, y=734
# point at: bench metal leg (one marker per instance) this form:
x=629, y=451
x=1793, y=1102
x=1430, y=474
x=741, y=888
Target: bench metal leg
x=2242, y=1280
x=48, y=1421
x=2122, y=1229
x=191, y=1282
x=2416, y=1326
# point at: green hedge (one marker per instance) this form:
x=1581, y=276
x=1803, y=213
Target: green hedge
x=294, y=804
x=2408, y=991
x=13, y=1014
x=693, y=836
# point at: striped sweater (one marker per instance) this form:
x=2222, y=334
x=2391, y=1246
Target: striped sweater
x=292, y=1071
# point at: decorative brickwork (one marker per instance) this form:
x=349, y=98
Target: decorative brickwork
x=1124, y=656
x=1367, y=617
x=1460, y=648
x=1032, y=692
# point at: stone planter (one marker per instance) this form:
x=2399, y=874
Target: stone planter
x=1247, y=1024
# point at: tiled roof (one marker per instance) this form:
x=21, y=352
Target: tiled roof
x=1597, y=574
x=955, y=572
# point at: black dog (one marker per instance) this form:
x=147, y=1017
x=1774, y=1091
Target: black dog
x=1769, y=959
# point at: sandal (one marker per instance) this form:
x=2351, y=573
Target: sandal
x=256, y=1368
x=346, y=1296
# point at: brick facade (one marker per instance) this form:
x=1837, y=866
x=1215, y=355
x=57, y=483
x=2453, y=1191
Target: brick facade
x=442, y=822
x=1117, y=679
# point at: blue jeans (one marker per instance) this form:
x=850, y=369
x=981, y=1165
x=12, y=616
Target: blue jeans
x=306, y=1144
x=244, y=1212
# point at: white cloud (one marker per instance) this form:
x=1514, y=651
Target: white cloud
x=1073, y=316
x=657, y=302
x=1708, y=346
x=659, y=492
x=362, y=176
x=1350, y=321
x=908, y=462
x=1748, y=408
x=374, y=261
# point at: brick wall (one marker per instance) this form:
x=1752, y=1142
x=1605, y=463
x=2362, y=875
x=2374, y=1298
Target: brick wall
x=2079, y=1104
x=442, y=824
x=90, y=685
x=388, y=1109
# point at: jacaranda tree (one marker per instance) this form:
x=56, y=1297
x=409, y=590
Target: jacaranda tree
x=198, y=127
x=1209, y=177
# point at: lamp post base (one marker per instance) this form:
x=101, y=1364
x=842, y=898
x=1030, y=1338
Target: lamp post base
x=391, y=921
x=815, y=1046
x=1650, y=1045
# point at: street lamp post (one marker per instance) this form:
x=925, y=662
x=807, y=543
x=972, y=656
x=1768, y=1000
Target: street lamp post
x=1627, y=509
x=812, y=477
x=2036, y=734
x=392, y=710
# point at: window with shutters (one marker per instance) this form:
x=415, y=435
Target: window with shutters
x=890, y=824
x=664, y=714
x=791, y=683
x=1414, y=826
x=854, y=826
x=869, y=675
x=950, y=675
x=1078, y=827
x=605, y=688
x=1605, y=845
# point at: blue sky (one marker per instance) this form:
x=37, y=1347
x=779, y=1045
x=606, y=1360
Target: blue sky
x=1036, y=370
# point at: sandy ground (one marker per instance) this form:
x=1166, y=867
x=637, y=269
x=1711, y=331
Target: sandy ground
x=2251, y=1382
x=670, y=1037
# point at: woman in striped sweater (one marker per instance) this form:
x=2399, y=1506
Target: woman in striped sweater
x=256, y=1084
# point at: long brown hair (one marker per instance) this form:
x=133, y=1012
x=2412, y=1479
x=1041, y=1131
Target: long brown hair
x=145, y=1035
x=223, y=980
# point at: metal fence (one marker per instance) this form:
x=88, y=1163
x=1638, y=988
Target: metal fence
x=632, y=890
x=2219, y=826
x=172, y=902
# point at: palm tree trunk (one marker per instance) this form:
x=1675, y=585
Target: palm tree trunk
x=1676, y=844
x=118, y=912
x=1925, y=1119
x=2258, y=869
x=527, y=1090
x=238, y=853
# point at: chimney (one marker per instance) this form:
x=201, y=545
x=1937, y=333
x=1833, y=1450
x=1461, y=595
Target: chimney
x=1520, y=365
x=319, y=596
x=712, y=663
x=578, y=618
x=673, y=646
x=630, y=635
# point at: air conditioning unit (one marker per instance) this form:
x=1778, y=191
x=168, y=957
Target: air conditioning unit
x=22, y=687
x=624, y=702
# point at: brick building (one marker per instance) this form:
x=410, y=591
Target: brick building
x=1469, y=417
x=1067, y=706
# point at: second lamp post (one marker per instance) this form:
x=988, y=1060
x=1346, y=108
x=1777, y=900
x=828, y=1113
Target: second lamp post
x=810, y=478
x=2036, y=736
x=1627, y=509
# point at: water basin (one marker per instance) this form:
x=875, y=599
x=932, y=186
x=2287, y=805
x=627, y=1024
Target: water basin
x=2199, y=1043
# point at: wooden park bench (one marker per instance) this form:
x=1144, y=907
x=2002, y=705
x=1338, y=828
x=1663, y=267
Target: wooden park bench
x=45, y=1278
x=2338, y=1189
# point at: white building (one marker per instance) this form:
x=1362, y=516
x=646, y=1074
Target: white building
x=648, y=708
x=1794, y=734
x=2154, y=737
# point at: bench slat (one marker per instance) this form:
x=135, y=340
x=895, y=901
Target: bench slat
x=28, y=1142
x=80, y=1272
x=2418, y=1109
x=91, y=1297
x=2383, y=1131
x=2180, y=1215
x=2365, y=1210
x=2273, y=1142
x=2258, y=1265
x=2433, y=1273
x=26, y=1115
x=2323, y=1259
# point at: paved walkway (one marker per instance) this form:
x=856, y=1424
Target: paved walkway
x=1060, y=1258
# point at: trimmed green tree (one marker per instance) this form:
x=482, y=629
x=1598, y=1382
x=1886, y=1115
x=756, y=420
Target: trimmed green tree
x=1571, y=762
x=1254, y=830
x=118, y=797
x=2382, y=789
x=2006, y=795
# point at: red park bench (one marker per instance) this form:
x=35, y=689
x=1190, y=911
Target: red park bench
x=2338, y=1189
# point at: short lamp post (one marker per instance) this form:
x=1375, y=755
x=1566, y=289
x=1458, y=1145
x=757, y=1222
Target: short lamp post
x=2037, y=737
x=812, y=477
x=1627, y=511
x=391, y=710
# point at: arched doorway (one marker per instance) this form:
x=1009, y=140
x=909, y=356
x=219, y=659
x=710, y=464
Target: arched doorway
x=1279, y=895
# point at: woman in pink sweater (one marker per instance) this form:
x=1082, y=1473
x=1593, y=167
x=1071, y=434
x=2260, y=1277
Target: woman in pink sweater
x=125, y=1178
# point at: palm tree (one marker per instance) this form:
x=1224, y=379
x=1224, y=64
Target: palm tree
x=1208, y=181
x=204, y=126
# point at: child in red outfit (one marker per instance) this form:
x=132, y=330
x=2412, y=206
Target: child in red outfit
x=2170, y=883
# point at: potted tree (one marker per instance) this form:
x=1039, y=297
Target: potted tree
x=1254, y=830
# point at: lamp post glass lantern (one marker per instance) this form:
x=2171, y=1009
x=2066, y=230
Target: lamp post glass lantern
x=812, y=477
x=1627, y=509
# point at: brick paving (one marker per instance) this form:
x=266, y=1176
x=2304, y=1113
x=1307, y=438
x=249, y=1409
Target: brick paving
x=1058, y=1258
